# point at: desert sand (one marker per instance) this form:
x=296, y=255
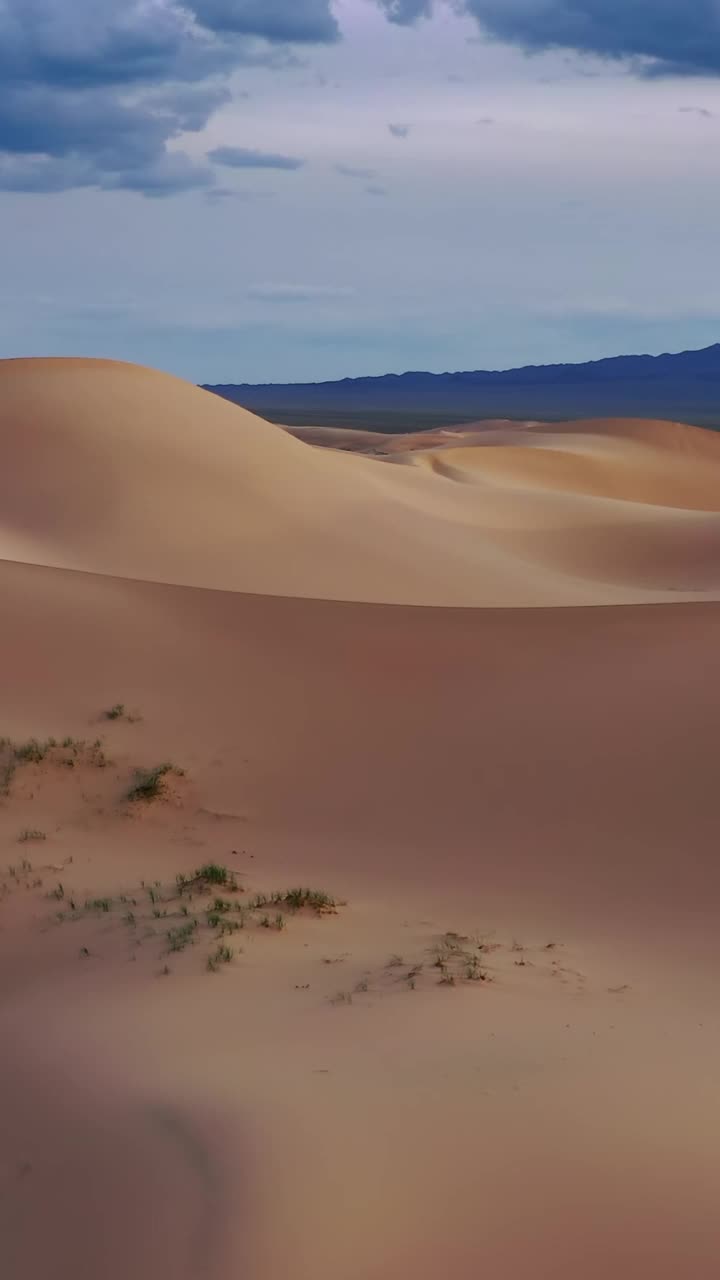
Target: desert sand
x=467, y=688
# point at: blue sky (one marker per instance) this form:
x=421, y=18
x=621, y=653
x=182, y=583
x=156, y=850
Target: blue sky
x=271, y=190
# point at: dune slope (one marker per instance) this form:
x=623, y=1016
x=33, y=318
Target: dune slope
x=540, y=779
x=113, y=469
x=498, y=1052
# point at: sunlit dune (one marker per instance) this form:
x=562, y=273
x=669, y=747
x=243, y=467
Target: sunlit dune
x=341, y=937
x=117, y=470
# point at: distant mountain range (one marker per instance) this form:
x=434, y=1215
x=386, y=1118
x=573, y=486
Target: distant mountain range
x=683, y=387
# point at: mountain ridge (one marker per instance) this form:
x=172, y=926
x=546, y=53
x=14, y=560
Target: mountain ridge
x=622, y=362
x=684, y=386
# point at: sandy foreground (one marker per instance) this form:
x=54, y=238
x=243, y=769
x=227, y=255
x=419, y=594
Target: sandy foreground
x=523, y=791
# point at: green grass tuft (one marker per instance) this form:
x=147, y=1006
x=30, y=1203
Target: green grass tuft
x=222, y=955
x=150, y=783
x=316, y=899
x=182, y=936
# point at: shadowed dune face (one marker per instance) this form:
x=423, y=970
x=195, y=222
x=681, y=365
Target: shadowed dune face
x=530, y=790
x=113, y=469
x=539, y=775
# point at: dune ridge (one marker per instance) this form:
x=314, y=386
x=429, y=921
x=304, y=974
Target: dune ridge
x=110, y=468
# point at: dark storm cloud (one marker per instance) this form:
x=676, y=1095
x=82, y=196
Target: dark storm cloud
x=92, y=91
x=293, y=21
x=676, y=35
x=670, y=36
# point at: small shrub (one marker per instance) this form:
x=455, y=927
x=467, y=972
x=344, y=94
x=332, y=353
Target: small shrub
x=31, y=834
x=115, y=713
x=150, y=783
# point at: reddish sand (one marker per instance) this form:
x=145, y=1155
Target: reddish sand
x=538, y=782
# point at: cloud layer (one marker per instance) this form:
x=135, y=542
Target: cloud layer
x=100, y=92
x=668, y=36
x=93, y=92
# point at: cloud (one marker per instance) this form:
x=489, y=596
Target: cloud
x=291, y=21
x=376, y=191
x=406, y=11
x=349, y=171
x=297, y=293
x=218, y=195
x=95, y=92
x=399, y=130
x=486, y=120
x=661, y=36
x=697, y=111
x=242, y=158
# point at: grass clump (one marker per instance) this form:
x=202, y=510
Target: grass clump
x=31, y=834
x=115, y=713
x=457, y=960
x=69, y=752
x=257, y=902
x=182, y=936
x=316, y=899
x=99, y=904
x=229, y=926
x=31, y=752
x=211, y=876
x=222, y=955
x=150, y=783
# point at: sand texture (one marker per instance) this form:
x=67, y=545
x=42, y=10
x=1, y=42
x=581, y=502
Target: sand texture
x=496, y=1050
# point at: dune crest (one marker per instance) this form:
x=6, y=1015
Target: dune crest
x=118, y=470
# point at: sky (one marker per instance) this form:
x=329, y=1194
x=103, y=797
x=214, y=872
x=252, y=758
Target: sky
x=299, y=190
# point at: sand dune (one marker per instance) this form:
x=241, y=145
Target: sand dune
x=529, y=790
x=113, y=469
